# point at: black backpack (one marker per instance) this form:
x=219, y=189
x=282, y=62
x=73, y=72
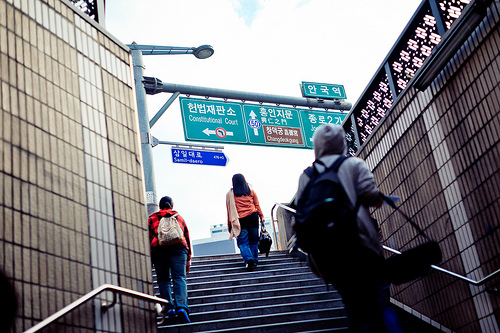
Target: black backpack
x=325, y=220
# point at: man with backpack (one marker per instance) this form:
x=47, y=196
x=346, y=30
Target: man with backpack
x=333, y=225
x=171, y=257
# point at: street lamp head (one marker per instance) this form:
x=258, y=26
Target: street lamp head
x=203, y=51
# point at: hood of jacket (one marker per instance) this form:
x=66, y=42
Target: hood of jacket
x=329, y=140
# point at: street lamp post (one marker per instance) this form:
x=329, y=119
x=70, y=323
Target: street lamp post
x=201, y=52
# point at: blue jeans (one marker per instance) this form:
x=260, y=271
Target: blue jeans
x=170, y=265
x=248, y=242
x=391, y=319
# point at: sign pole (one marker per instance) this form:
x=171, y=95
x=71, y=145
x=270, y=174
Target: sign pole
x=154, y=86
x=147, y=149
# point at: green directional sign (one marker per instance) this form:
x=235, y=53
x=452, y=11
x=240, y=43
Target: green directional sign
x=311, y=120
x=213, y=121
x=323, y=90
x=239, y=123
x=273, y=126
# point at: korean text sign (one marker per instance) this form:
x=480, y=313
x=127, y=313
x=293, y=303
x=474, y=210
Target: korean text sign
x=255, y=124
x=323, y=90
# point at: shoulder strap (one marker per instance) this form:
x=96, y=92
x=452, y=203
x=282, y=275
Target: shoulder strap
x=166, y=216
x=310, y=171
x=336, y=165
x=413, y=224
x=335, y=168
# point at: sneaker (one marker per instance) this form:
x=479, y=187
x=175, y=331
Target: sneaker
x=183, y=316
x=171, y=313
x=250, y=265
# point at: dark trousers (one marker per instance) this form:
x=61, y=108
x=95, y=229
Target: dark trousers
x=364, y=313
x=357, y=276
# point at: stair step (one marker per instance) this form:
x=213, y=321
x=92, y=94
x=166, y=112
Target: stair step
x=223, y=268
x=258, y=300
x=248, y=279
x=258, y=310
x=211, y=289
x=292, y=327
x=242, y=274
x=246, y=294
x=239, y=259
x=262, y=320
x=237, y=256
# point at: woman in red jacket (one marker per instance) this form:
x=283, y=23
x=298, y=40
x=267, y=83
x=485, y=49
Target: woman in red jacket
x=171, y=262
x=243, y=211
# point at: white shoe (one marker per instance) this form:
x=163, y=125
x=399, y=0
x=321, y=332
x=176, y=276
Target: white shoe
x=160, y=313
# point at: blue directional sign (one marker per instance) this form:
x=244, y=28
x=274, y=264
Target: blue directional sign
x=204, y=157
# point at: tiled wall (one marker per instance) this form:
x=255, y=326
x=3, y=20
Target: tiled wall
x=439, y=151
x=71, y=203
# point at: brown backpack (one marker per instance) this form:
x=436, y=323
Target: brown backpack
x=169, y=231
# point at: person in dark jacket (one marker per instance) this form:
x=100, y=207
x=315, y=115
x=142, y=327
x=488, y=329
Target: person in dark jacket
x=356, y=275
x=171, y=262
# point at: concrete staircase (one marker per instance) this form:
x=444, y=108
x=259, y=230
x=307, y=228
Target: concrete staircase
x=280, y=295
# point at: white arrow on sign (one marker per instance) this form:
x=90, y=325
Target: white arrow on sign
x=212, y=132
x=208, y=132
x=254, y=116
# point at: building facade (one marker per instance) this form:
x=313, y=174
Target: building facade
x=436, y=146
x=72, y=203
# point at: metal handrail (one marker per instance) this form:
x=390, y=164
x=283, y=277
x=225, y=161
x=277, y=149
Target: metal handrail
x=285, y=207
x=278, y=244
x=104, y=305
x=461, y=277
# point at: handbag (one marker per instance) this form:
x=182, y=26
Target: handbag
x=265, y=241
x=414, y=263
